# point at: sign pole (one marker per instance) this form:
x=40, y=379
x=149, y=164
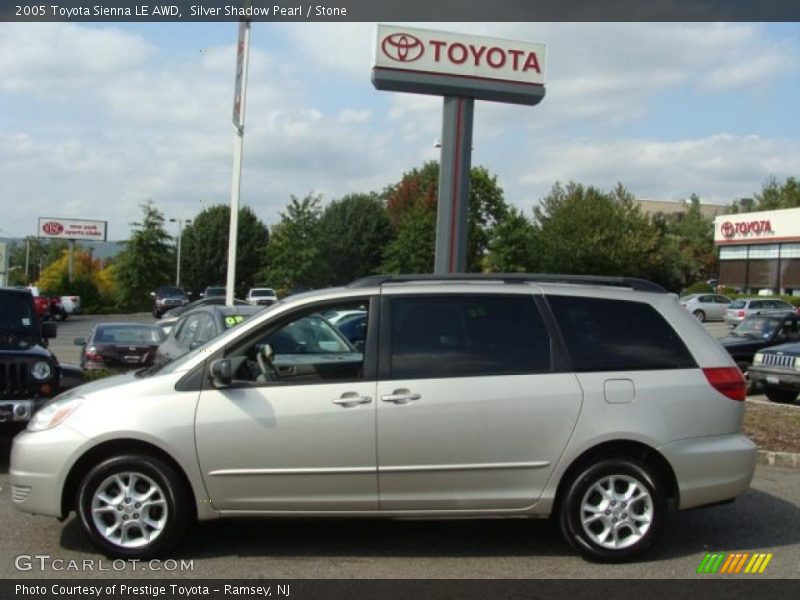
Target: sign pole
x=243, y=54
x=71, y=260
x=454, y=182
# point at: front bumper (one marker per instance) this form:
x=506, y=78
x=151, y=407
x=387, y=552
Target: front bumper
x=713, y=469
x=772, y=377
x=39, y=466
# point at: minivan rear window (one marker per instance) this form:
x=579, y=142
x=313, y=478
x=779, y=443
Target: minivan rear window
x=618, y=335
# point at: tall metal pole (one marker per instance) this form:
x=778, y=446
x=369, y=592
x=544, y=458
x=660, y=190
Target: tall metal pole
x=180, y=223
x=71, y=260
x=454, y=178
x=243, y=55
x=27, y=259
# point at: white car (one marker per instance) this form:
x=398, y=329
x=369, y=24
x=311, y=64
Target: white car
x=261, y=296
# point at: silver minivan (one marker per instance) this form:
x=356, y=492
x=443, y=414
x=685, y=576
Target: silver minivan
x=592, y=399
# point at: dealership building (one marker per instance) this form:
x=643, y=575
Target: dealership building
x=759, y=251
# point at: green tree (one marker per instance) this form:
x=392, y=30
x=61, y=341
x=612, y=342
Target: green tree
x=204, y=249
x=511, y=244
x=40, y=254
x=412, y=249
x=146, y=261
x=773, y=196
x=354, y=231
x=581, y=230
x=693, y=236
x=295, y=253
x=415, y=194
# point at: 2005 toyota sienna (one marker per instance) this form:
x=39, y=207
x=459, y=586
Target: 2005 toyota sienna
x=596, y=400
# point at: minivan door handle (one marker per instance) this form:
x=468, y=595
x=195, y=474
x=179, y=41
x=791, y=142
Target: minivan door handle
x=401, y=397
x=349, y=399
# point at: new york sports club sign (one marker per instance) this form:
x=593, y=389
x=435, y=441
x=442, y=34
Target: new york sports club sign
x=466, y=56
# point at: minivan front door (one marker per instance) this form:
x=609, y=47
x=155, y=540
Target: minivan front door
x=289, y=447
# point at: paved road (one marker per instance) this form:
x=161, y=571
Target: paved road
x=766, y=519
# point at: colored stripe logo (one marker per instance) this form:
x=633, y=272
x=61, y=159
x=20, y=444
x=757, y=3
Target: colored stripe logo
x=734, y=563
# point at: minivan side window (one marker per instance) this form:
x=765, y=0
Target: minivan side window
x=466, y=336
x=617, y=335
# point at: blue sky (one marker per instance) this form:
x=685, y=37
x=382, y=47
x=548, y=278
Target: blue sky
x=96, y=118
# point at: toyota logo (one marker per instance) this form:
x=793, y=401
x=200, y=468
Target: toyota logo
x=52, y=228
x=728, y=229
x=402, y=47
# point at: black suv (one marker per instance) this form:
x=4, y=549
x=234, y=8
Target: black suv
x=167, y=297
x=757, y=332
x=29, y=372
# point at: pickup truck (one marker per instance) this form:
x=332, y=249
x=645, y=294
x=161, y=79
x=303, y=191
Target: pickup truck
x=30, y=373
x=54, y=307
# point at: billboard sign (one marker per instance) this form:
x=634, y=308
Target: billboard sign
x=72, y=229
x=459, y=55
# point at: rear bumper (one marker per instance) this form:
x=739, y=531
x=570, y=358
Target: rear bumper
x=711, y=470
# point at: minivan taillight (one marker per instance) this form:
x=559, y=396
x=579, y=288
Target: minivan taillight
x=728, y=381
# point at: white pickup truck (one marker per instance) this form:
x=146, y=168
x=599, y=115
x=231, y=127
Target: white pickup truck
x=54, y=307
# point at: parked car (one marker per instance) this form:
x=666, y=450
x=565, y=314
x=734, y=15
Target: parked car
x=777, y=369
x=54, y=307
x=171, y=317
x=757, y=332
x=745, y=307
x=262, y=296
x=591, y=399
x=706, y=307
x=353, y=326
x=213, y=292
x=200, y=325
x=30, y=373
x=167, y=297
x=120, y=346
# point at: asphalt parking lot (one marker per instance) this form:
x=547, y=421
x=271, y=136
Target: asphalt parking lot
x=766, y=519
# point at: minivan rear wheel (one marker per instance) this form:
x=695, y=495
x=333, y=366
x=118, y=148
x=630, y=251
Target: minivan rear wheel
x=612, y=510
x=133, y=506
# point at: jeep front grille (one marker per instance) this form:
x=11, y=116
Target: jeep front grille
x=14, y=380
x=779, y=360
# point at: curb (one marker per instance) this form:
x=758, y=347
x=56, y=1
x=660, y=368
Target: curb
x=790, y=460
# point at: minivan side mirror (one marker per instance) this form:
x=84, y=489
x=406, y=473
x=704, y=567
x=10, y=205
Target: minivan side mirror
x=49, y=330
x=221, y=373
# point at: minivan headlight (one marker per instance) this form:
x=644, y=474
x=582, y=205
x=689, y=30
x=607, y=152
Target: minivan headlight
x=758, y=358
x=54, y=413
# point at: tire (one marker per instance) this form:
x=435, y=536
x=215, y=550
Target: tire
x=168, y=515
x=700, y=315
x=637, y=524
x=781, y=396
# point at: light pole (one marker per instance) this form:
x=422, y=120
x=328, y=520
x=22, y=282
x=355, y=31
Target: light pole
x=180, y=223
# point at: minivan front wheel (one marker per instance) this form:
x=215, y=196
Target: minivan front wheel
x=612, y=510
x=133, y=506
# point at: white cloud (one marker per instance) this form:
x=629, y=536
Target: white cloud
x=719, y=168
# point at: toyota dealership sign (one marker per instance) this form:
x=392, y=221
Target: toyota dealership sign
x=72, y=229
x=446, y=63
x=768, y=226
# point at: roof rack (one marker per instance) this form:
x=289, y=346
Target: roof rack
x=635, y=283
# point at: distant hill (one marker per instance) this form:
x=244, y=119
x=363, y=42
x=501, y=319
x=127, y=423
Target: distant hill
x=103, y=250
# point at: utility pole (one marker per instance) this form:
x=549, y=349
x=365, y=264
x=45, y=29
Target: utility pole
x=180, y=223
